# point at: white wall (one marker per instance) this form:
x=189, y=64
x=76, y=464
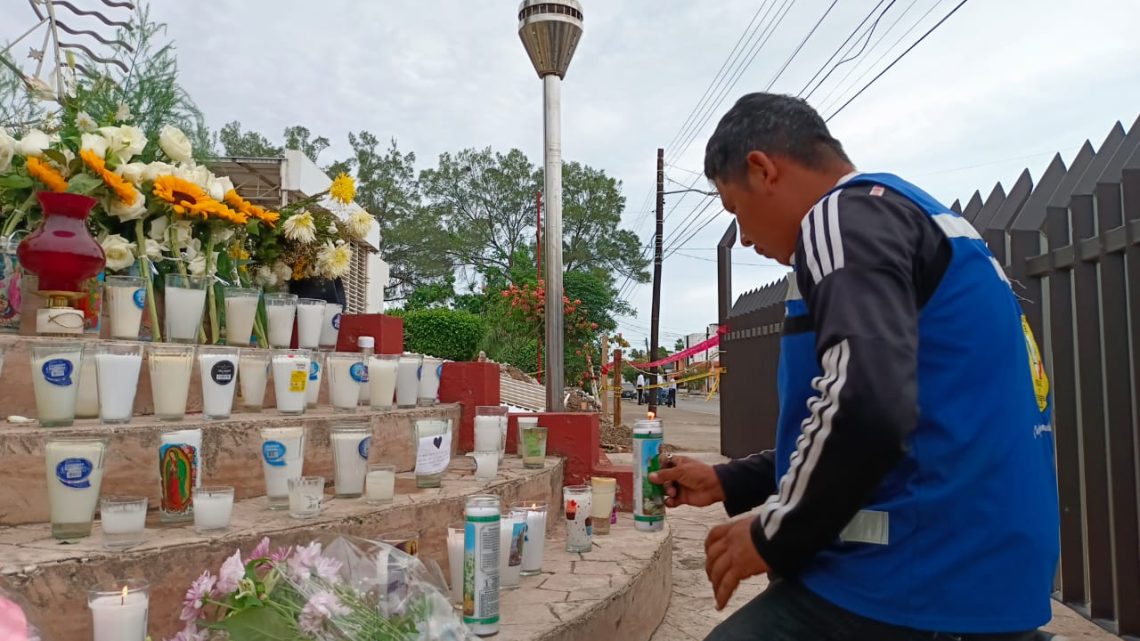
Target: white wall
x=377, y=280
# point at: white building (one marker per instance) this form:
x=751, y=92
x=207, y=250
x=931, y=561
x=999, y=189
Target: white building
x=696, y=339
x=275, y=182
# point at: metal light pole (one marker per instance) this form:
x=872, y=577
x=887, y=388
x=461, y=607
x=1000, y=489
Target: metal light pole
x=550, y=32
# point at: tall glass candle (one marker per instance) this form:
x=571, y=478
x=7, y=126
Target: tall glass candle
x=380, y=484
x=241, y=311
x=330, y=326
x=316, y=373
x=430, y=371
x=522, y=423
x=170, y=367
x=512, y=537
x=350, y=446
x=382, y=380
x=55, y=380
x=648, y=498
x=87, y=401
x=346, y=374
x=577, y=503
x=310, y=316
x=433, y=451
x=185, y=300
x=123, y=520
x=125, y=297
x=604, y=490
x=455, y=560
x=253, y=377
x=179, y=472
x=535, y=536
x=291, y=379
x=282, y=458
x=117, y=366
x=74, y=476
x=218, y=369
x=119, y=610
x=408, y=380
x=488, y=419
x=481, y=552
x=533, y=447
x=280, y=309
x=213, y=509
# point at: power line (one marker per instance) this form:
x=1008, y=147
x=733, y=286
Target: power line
x=801, y=45
x=849, y=58
x=896, y=60
x=840, y=48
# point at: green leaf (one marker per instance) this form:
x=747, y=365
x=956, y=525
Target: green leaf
x=83, y=184
x=15, y=181
x=57, y=156
x=257, y=624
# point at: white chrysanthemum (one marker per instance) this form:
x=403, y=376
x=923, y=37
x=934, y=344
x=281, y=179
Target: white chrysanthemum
x=334, y=261
x=85, y=122
x=359, y=224
x=301, y=228
x=123, y=113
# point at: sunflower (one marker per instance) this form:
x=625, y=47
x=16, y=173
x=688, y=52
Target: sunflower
x=122, y=189
x=184, y=197
x=251, y=210
x=343, y=188
x=46, y=174
x=219, y=210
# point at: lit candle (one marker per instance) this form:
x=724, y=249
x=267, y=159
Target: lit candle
x=380, y=484
x=119, y=610
x=123, y=519
x=213, y=509
x=535, y=537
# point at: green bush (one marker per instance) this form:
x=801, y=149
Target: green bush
x=446, y=333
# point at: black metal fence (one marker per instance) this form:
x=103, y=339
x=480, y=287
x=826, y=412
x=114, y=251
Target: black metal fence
x=1070, y=244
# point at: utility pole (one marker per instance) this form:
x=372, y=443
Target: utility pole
x=657, y=241
x=602, y=363
x=538, y=264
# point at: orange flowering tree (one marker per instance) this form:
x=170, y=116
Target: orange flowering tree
x=523, y=310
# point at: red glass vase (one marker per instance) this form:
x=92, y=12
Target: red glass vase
x=61, y=251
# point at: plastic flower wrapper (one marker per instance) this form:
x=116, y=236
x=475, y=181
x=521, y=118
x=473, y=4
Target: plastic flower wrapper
x=14, y=624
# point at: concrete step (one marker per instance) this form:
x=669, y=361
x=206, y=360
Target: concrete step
x=53, y=578
x=231, y=449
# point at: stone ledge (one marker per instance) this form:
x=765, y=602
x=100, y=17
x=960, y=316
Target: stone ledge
x=619, y=590
x=231, y=449
x=52, y=578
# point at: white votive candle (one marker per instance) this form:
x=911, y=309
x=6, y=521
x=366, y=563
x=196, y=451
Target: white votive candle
x=380, y=484
x=123, y=519
x=119, y=610
x=512, y=534
x=213, y=508
x=408, y=380
x=535, y=536
x=487, y=434
x=350, y=445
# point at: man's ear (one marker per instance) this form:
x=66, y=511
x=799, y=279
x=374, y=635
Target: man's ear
x=762, y=171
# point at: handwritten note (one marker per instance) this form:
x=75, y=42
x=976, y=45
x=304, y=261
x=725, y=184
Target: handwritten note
x=433, y=454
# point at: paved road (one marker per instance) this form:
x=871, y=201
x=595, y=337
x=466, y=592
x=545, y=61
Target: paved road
x=693, y=425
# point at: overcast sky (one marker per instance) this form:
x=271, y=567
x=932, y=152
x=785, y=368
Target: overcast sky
x=1001, y=85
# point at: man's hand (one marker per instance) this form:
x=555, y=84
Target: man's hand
x=732, y=557
x=688, y=482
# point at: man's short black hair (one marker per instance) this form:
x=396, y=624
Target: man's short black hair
x=775, y=124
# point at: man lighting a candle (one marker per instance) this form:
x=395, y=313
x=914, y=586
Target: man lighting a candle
x=911, y=493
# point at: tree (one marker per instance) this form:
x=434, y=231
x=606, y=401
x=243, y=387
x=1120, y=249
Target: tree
x=412, y=240
x=250, y=144
x=679, y=345
x=592, y=205
x=298, y=137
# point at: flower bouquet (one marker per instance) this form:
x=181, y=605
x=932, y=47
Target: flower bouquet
x=346, y=589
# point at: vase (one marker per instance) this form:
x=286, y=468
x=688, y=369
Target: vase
x=61, y=251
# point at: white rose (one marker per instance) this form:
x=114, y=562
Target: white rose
x=94, y=142
x=197, y=266
x=125, y=141
x=182, y=233
x=154, y=249
x=133, y=172
x=33, y=144
x=155, y=169
x=119, y=252
x=158, y=228
x=7, y=149
x=197, y=174
x=219, y=187
x=175, y=144
x=123, y=212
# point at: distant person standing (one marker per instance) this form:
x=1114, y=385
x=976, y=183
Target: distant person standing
x=673, y=392
x=641, y=388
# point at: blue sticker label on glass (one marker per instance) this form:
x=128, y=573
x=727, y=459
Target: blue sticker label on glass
x=362, y=448
x=439, y=370
x=274, y=453
x=140, y=298
x=57, y=371
x=336, y=321
x=314, y=370
x=74, y=473
x=359, y=372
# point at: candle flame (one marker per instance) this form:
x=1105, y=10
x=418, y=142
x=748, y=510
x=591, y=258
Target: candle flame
x=652, y=415
x=123, y=601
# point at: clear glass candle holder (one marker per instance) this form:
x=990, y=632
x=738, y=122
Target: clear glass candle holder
x=433, y=453
x=533, y=446
x=117, y=366
x=523, y=422
x=123, y=519
x=381, y=377
x=489, y=427
x=346, y=373
x=604, y=491
x=310, y=316
x=281, y=310
x=125, y=298
x=119, y=610
x=408, y=380
x=56, y=366
x=213, y=509
x=253, y=377
x=486, y=464
x=291, y=370
x=74, y=477
x=577, y=503
x=380, y=484
x=282, y=459
x=330, y=326
x=305, y=496
x=170, y=367
x=241, y=314
x=218, y=369
x=351, y=445
x=184, y=301
x=535, y=535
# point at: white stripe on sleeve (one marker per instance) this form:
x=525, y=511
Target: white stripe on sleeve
x=809, y=243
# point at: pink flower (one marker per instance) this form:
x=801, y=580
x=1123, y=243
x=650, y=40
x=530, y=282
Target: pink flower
x=328, y=569
x=200, y=590
x=190, y=633
x=280, y=554
x=261, y=551
x=320, y=607
x=233, y=571
x=304, y=559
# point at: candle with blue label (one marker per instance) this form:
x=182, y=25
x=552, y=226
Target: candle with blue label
x=126, y=298
x=55, y=380
x=74, y=476
x=346, y=374
x=316, y=372
x=351, y=443
x=282, y=458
